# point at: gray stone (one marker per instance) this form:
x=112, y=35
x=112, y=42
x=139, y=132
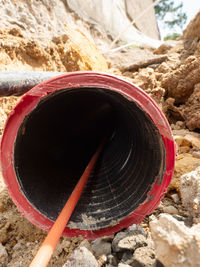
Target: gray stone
x=128, y=241
x=3, y=256
x=137, y=229
x=100, y=247
x=116, y=240
x=81, y=257
x=127, y=257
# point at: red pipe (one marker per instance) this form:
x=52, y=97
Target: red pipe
x=113, y=85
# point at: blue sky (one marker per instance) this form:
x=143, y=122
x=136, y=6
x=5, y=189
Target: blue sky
x=190, y=7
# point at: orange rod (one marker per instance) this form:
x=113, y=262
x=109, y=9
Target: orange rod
x=45, y=252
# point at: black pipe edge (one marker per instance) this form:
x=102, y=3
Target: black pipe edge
x=19, y=82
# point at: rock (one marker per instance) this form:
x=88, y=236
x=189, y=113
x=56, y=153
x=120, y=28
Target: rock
x=170, y=110
x=145, y=79
x=128, y=241
x=181, y=132
x=195, y=141
x=182, y=141
x=3, y=256
x=184, y=163
x=116, y=240
x=190, y=110
x=160, y=207
x=190, y=191
x=127, y=257
x=176, y=245
x=143, y=257
x=19, y=245
x=180, y=125
x=157, y=94
x=100, y=247
x=196, y=154
x=137, y=228
x=81, y=257
x=179, y=83
x=175, y=198
x=187, y=139
x=165, y=47
x=86, y=244
x=170, y=209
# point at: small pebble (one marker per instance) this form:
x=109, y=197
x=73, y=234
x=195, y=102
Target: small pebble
x=196, y=154
x=100, y=247
x=170, y=210
x=175, y=198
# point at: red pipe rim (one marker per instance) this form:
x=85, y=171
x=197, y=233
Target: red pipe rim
x=74, y=80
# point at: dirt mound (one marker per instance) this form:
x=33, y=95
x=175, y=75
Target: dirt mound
x=71, y=51
x=193, y=29
x=174, y=84
x=191, y=109
x=179, y=84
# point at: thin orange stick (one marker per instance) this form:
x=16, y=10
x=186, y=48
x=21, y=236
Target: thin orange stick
x=46, y=250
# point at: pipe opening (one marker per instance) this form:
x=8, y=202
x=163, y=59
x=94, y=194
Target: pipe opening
x=58, y=138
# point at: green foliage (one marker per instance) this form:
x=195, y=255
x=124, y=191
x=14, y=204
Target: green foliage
x=175, y=12
x=172, y=36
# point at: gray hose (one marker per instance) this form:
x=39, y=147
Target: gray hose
x=19, y=82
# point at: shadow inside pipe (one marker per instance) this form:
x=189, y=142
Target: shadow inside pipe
x=58, y=138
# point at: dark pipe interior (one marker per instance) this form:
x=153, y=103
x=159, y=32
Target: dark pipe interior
x=57, y=139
